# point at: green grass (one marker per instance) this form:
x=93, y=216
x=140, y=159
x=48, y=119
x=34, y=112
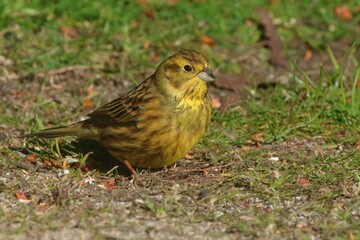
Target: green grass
x=106, y=28
x=283, y=163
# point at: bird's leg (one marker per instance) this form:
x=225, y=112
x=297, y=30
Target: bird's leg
x=136, y=176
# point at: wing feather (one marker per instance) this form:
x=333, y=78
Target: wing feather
x=122, y=111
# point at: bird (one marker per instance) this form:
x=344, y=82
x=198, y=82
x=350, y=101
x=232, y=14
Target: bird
x=158, y=122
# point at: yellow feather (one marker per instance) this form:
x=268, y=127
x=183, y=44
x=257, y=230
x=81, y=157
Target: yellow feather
x=158, y=122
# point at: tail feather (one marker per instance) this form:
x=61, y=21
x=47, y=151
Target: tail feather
x=56, y=132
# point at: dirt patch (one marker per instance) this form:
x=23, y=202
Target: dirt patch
x=196, y=198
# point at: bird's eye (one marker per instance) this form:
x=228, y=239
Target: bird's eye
x=187, y=68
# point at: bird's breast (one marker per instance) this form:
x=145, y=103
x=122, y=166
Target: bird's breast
x=164, y=134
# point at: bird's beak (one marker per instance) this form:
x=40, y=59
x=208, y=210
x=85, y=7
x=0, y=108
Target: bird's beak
x=207, y=75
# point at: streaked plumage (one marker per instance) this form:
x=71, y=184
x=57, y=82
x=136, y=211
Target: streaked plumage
x=158, y=122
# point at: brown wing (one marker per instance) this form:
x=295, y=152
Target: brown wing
x=123, y=111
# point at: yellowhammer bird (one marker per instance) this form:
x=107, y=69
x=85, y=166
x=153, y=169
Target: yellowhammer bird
x=157, y=123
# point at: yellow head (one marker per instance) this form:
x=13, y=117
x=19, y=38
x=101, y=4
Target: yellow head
x=184, y=76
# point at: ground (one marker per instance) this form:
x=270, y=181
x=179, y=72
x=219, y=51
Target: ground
x=280, y=160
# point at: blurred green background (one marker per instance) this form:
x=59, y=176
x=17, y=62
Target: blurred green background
x=40, y=35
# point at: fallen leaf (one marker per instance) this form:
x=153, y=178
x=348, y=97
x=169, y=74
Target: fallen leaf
x=155, y=57
x=328, y=133
x=207, y=40
x=341, y=204
x=303, y=182
x=302, y=228
x=43, y=206
x=109, y=185
x=87, y=103
x=357, y=145
x=20, y=196
x=69, y=31
x=330, y=149
x=31, y=158
x=249, y=22
x=147, y=44
x=246, y=148
x=215, y=103
x=257, y=138
x=308, y=53
x=149, y=13
x=47, y=162
x=18, y=94
x=343, y=13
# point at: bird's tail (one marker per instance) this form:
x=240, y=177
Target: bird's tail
x=71, y=130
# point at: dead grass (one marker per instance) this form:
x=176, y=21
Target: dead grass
x=279, y=162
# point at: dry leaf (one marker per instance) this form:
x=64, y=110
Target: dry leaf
x=215, y=103
x=257, y=138
x=149, y=13
x=303, y=182
x=246, y=148
x=18, y=94
x=205, y=172
x=147, y=44
x=69, y=31
x=87, y=103
x=302, y=228
x=207, y=40
x=20, y=196
x=343, y=13
x=308, y=53
x=43, y=206
x=249, y=22
x=31, y=158
x=155, y=57
x=328, y=133
x=357, y=145
x=109, y=185
x=47, y=162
